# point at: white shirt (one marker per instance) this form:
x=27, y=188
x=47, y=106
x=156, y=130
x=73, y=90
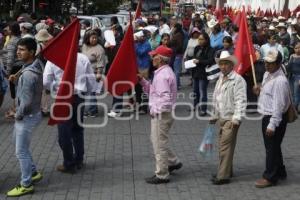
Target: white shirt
x=85, y=79
x=164, y=29
x=274, y=98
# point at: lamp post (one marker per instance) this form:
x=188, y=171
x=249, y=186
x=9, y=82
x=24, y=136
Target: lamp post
x=33, y=6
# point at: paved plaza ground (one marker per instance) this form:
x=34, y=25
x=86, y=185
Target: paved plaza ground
x=119, y=156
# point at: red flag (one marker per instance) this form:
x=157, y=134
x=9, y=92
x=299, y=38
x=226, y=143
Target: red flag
x=237, y=18
x=244, y=47
x=62, y=51
x=124, y=66
x=138, y=11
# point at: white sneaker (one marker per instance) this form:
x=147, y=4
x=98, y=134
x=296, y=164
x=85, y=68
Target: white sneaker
x=113, y=114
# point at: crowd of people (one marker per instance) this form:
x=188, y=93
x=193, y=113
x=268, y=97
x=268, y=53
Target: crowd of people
x=161, y=46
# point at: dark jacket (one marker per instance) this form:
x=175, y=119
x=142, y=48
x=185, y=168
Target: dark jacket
x=206, y=58
x=176, y=43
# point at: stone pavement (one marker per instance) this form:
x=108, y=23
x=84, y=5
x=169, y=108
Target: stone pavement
x=119, y=156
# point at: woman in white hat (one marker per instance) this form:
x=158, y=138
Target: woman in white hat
x=216, y=37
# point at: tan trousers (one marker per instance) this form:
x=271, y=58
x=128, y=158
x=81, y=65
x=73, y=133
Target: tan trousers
x=227, y=142
x=160, y=126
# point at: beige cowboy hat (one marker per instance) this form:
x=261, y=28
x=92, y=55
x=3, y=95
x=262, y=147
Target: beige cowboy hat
x=225, y=55
x=43, y=35
x=281, y=25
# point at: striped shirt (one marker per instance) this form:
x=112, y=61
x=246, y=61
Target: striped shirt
x=274, y=98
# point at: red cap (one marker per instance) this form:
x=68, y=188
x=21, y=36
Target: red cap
x=162, y=50
x=50, y=21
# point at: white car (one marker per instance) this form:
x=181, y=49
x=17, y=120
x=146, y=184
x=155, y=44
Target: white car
x=105, y=19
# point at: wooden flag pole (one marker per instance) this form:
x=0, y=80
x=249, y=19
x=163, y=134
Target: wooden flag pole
x=253, y=70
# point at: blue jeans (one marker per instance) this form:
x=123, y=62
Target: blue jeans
x=22, y=134
x=294, y=82
x=70, y=136
x=177, y=69
x=200, y=91
x=92, y=107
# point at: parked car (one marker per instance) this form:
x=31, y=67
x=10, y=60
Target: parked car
x=105, y=19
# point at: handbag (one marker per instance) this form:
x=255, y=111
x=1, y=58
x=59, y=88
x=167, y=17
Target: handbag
x=292, y=114
x=212, y=72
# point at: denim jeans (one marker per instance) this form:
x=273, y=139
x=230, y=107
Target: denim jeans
x=200, y=91
x=295, y=85
x=91, y=107
x=22, y=135
x=177, y=69
x=70, y=136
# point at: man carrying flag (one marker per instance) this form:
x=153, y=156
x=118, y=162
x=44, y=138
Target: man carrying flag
x=71, y=77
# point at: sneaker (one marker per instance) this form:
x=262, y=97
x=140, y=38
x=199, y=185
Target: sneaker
x=36, y=177
x=20, y=190
x=175, y=167
x=113, y=114
x=155, y=180
x=142, y=112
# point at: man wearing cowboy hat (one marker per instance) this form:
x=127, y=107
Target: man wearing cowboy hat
x=283, y=34
x=229, y=105
x=162, y=97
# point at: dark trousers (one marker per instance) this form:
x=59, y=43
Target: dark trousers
x=117, y=104
x=200, y=91
x=70, y=136
x=275, y=168
x=141, y=98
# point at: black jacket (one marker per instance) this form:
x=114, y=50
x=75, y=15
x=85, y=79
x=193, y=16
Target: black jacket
x=205, y=55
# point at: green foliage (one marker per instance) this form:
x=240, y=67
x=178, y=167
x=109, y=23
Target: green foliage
x=106, y=6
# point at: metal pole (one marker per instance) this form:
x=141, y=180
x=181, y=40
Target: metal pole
x=33, y=6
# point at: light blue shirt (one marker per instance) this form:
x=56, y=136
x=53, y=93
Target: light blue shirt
x=274, y=98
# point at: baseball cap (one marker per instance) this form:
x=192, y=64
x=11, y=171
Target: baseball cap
x=162, y=50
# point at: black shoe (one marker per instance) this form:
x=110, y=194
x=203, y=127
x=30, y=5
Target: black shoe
x=214, y=176
x=175, y=167
x=80, y=165
x=155, y=180
x=217, y=181
x=63, y=169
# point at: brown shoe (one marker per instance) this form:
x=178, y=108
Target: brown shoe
x=63, y=169
x=263, y=183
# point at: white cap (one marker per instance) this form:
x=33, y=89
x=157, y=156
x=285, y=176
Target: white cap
x=271, y=27
x=212, y=23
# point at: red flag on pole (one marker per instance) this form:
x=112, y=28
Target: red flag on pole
x=123, y=70
x=62, y=51
x=244, y=47
x=138, y=11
